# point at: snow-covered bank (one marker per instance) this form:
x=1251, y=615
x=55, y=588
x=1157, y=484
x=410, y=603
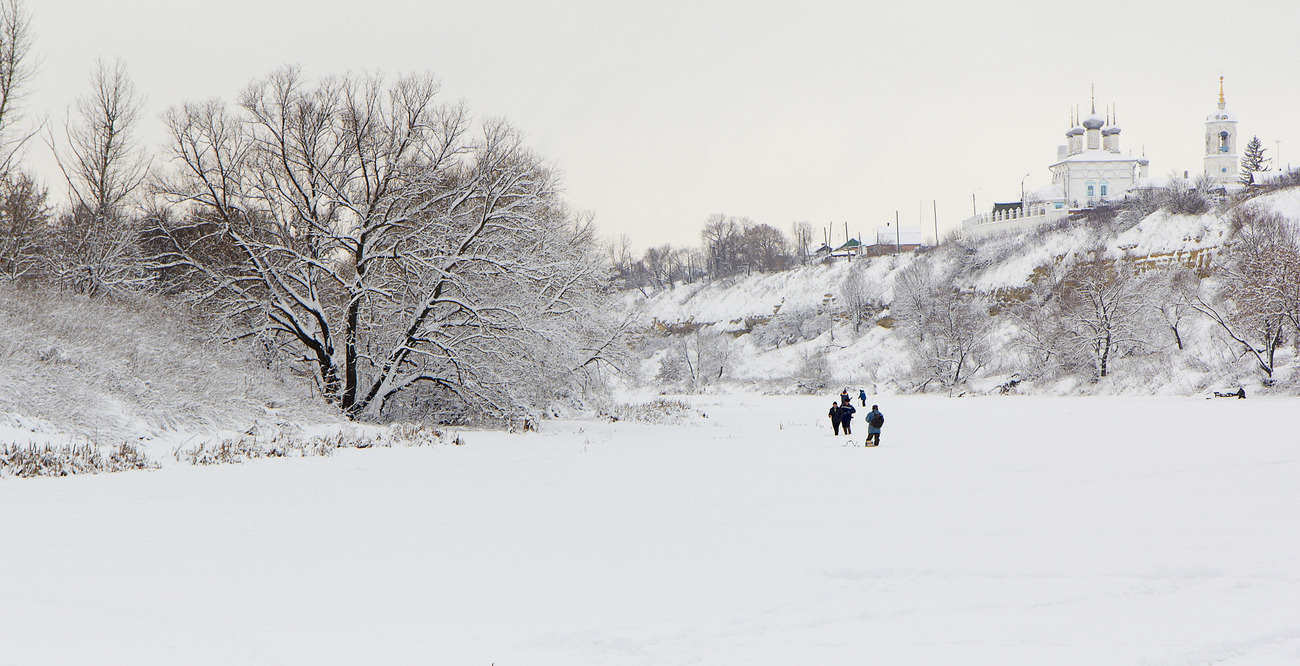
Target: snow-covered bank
x=979, y=304
x=983, y=531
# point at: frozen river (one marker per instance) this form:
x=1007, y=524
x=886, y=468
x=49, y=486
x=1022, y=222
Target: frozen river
x=982, y=531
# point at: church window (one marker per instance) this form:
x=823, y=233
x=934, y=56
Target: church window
x=1223, y=142
x=1090, y=187
x=1103, y=189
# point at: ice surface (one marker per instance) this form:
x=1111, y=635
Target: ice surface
x=982, y=531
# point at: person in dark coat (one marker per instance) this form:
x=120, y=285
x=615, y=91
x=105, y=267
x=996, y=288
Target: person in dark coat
x=873, y=426
x=835, y=417
x=846, y=417
x=844, y=396
x=862, y=395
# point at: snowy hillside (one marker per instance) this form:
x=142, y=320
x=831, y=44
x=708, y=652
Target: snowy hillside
x=76, y=371
x=743, y=308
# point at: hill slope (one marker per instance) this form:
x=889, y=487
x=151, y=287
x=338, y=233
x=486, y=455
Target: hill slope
x=809, y=307
x=101, y=371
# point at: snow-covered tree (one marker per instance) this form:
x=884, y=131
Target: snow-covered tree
x=946, y=330
x=1101, y=307
x=697, y=359
x=855, y=296
x=24, y=225
x=1257, y=299
x=1171, y=291
x=1253, y=161
x=365, y=228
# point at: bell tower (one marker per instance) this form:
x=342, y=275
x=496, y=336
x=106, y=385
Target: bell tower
x=1221, y=158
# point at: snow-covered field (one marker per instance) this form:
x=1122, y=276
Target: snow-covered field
x=982, y=531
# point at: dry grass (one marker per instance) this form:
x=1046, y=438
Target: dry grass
x=47, y=460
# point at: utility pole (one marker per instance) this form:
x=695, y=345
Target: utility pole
x=935, y=203
x=847, y=239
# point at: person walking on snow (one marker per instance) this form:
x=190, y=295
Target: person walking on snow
x=835, y=417
x=874, y=422
x=844, y=396
x=862, y=395
x=846, y=416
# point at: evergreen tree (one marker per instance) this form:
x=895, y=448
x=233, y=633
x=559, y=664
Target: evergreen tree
x=1253, y=161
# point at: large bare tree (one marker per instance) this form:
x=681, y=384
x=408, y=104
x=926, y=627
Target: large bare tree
x=366, y=228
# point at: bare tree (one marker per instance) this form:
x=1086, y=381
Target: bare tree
x=97, y=240
x=722, y=237
x=764, y=247
x=103, y=163
x=362, y=227
x=16, y=71
x=801, y=240
x=623, y=260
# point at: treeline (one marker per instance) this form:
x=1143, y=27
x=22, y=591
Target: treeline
x=410, y=259
x=728, y=246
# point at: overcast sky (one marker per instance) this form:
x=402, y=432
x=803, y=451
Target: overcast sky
x=661, y=113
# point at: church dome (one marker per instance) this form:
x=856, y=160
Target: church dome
x=1106, y=131
x=1077, y=131
x=1221, y=116
x=1113, y=129
x=1142, y=161
x=1093, y=122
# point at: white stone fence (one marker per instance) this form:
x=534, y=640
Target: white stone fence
x=1010, y=220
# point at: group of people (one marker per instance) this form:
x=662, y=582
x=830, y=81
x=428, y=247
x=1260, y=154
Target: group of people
x=842, y=417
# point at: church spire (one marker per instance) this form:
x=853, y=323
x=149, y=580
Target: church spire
x=1221, y=102
x=1093, y=88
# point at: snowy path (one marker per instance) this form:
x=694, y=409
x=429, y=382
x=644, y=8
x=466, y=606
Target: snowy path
x=982, y=531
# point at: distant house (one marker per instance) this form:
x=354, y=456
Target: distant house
x=891, y=239
x=851, y=248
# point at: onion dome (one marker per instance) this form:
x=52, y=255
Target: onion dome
x=1113, y=129
x=1142, y=161
x=1094, y=122
x=1077, y=131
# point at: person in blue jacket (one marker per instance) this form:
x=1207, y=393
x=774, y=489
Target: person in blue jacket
x=846, y=417
x=875, y=420
x=862, y=395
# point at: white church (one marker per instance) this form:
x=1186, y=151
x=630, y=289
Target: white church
x=1090, y=171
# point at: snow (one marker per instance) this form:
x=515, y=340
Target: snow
x=982, y=531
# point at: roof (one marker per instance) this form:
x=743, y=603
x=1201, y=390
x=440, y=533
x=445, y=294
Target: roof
x=1098, y=156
